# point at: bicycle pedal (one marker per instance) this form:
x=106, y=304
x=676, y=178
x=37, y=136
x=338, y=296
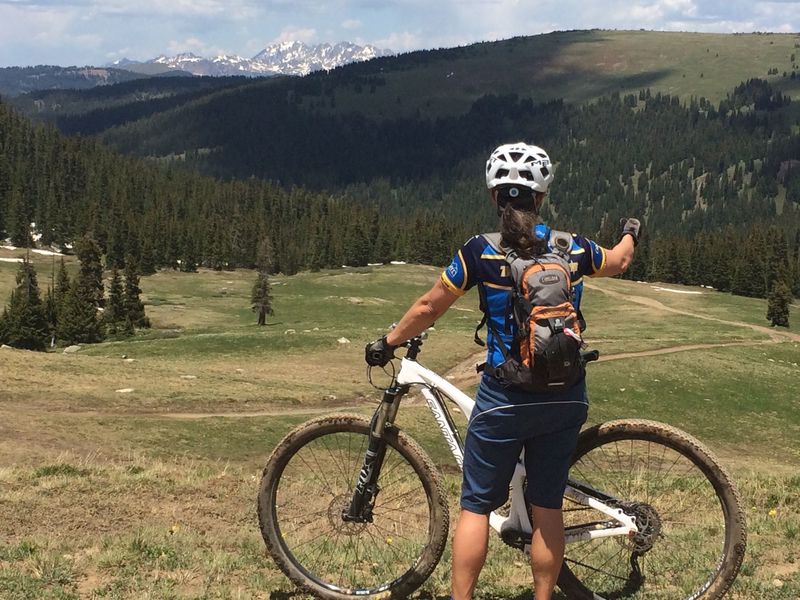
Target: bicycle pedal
x=515, y=538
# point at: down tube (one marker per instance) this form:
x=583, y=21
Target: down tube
x=411, y=372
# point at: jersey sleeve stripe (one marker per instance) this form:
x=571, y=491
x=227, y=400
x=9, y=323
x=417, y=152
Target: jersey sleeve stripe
x=450, y=286
x=496, y=286
x=595, y=269
x=466, y=272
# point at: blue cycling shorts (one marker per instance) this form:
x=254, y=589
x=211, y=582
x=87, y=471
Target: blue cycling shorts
x=502, y=424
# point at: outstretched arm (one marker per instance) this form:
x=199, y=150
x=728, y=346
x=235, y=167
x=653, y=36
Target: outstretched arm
x=422, y=314
x=618, y=258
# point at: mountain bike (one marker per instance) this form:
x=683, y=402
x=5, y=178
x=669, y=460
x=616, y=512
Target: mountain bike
x=351, y=507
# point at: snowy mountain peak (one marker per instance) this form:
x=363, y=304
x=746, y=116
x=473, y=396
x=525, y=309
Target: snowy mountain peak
x=284, y=58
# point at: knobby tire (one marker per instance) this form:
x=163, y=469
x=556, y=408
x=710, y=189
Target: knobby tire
x=693, y=509
x=326, y=492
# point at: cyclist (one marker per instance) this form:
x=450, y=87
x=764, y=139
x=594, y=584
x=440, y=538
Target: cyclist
x=506, y=420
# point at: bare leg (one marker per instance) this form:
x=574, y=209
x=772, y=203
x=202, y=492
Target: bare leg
x=470, y=543
x=547, y=550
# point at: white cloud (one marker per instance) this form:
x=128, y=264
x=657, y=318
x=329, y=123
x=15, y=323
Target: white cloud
x=296, y=34
x=226, y=9
x=724, y=26
x=196, y=46
x=402, y=41
x=86, y=30
x=685, y=7
x=19, y=24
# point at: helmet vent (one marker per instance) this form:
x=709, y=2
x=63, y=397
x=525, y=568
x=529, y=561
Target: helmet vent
x=545, y=171
x=515, y=156
x=502, y=173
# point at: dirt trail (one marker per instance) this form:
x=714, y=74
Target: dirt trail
x=775, y=334
x=464, y=375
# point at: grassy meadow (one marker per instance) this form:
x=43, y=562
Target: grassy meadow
x=578, y=66
x=150, y=492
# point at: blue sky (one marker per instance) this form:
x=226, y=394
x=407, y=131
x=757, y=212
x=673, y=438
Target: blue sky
x=95, y=32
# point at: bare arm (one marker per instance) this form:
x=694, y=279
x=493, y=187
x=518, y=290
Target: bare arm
x=422, y=314
x=618, y=258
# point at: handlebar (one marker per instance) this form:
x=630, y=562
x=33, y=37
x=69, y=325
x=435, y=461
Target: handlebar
x=414, y=344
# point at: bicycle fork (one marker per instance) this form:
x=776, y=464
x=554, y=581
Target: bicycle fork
x=366, y=488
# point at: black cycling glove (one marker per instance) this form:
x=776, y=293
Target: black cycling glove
x=630, y=227
x=379, y=352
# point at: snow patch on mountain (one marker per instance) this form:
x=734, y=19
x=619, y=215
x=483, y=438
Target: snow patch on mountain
x=285, y=58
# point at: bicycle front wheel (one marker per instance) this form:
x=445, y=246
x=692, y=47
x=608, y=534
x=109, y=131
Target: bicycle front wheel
x=692, y=534
x=308, y=483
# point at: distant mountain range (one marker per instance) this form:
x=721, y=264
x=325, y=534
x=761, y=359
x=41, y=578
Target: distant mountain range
x=286, y=58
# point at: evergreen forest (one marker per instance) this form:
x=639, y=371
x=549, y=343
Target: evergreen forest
x=716, y=184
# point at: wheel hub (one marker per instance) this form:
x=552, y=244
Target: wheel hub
x=336, y=508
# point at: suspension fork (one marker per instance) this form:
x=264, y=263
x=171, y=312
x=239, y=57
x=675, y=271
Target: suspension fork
x=366, y=488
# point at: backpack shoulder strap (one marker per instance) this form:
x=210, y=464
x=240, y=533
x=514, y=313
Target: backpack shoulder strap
x=495, y=240
x=560, y=243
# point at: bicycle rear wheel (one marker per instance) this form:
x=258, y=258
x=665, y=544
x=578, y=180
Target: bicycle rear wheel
x=307, y=484
x=692, y=533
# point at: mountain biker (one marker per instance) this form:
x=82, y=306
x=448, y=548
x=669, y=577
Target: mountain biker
x=506, y=420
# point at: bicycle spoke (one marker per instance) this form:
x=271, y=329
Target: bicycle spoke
x=662, y=488
x=316, y=486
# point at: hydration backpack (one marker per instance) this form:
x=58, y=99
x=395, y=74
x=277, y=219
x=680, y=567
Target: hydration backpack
x=545, y=350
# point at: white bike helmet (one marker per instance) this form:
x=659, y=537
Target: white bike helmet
x=519, y=164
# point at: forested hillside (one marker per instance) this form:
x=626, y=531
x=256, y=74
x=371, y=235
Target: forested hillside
x=716, y=181
x=91, y=111
x=19, y=80
x=576, y=66
x=173, y=218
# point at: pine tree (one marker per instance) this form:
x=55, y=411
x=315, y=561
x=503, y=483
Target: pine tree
x=23, y=323
x=133, y=306
x=90, y=277
x=77, y=318
x=62, y=283
x=148, y=263
x=265, y=255
x=780, y=298
x=17, y=222
x=51, y=312
x=261, y=300
x=114, y=314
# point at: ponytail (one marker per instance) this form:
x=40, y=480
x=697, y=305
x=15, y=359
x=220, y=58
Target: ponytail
x=517, y=230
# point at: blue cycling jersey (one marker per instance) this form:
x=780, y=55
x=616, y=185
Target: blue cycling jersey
x=480, y=263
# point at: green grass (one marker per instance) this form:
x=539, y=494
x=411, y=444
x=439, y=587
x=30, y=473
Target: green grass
x=578, y=66
x=105, y=495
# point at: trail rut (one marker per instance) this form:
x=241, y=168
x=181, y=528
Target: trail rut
x=775, y=334
x=464, y=375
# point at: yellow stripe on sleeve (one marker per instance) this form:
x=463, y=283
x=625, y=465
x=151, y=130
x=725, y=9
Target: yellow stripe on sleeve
x=602, y=264
x=466, y=273
x=450, y=286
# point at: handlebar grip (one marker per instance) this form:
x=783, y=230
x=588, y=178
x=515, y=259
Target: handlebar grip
x=590, y=356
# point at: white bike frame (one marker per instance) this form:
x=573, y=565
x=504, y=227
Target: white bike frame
x=412, y=373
